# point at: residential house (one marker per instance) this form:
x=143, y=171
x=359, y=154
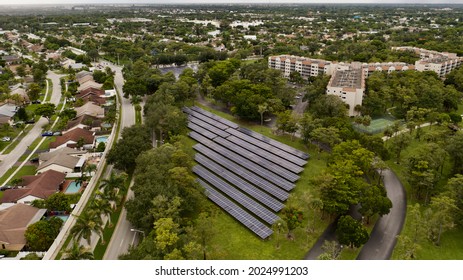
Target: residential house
x=35, y=187
x=76, y=66
x=64, y=160
x=22, y=93
x=90, y=109
x=13, y=224
x=71, y=138
x=7, y=111
x=84, y=122
x=11, y=59
x=89, y=84
x=66, y=63
x=82, y=74
x=84, y=79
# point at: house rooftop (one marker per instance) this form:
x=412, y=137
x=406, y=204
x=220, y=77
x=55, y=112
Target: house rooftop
x=351, y=78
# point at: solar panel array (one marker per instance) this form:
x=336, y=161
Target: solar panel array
x=245, y=173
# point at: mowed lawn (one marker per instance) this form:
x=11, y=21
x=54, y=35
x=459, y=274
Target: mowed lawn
x=232, y=240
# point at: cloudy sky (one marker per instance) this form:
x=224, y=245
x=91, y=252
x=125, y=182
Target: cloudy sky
x=25, y=2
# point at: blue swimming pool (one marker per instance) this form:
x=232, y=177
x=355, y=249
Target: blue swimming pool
x=100, y=139
x=72, y=188
x=62, y=217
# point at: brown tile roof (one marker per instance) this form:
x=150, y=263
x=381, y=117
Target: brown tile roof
x=14, y=221
x=73, y=135
x=90, y=90
x=87, y=120
x=41, y=186
x=85, y=78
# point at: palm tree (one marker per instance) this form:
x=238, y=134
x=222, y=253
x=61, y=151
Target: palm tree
x=103, y=207
x=88, y=222
x=78, y=252
x=114, y=181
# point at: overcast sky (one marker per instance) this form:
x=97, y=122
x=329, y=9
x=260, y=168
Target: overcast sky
x=25, y=2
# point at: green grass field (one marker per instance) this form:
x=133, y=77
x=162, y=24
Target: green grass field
x=234, y=241
x=25, y=170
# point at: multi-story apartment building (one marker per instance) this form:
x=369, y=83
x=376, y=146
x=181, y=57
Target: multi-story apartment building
x=348, y=79
x=440, y=62
x=348, y=83
x=305, y=66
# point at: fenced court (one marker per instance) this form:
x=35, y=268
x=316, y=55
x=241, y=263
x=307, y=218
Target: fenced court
x=376, y=126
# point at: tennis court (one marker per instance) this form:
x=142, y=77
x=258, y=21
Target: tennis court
x=376, y=126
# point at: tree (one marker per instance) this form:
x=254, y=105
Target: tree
x=331, y=250
x=46, y=110
x=78, y=252
x=87, y=223
x=454, y=147
x=329, y=106
x=21, y=114
x=325, y=137
x=442, y=218
x=58, y=202
x=262, y=108
x=204, y=231
x=350, y=232
x=293, y=218
x=398, y=144
x=134, y=141
x=34, y=91
x=455, y=191
x=40, y=235
x=166, y=235
x=68, y=113
x=374, y=201
x=287, y=122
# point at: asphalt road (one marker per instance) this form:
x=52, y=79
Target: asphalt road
x=383, y=237
x=122, y=237
x=10, y=159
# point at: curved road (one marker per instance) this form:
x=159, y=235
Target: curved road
x=383, y=237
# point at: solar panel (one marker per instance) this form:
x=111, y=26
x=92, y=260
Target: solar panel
x=201, y=130
x=210, y=121
x=264, y=154
x=215, y=117
x=277, y=169
x=244, y=186
x=274, y=143
x=267, y=147
x=237, y=212
x=209, y=127
x=257, y=209
x=243, y=172
x=198, y=137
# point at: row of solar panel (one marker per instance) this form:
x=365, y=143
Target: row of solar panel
x=282, y=157
x=248, y=203
x=267, y=147
x=243, y=172
x=243, y=161
x=251, y=133
x=241, y=184
x=215, y=117
x=237, y=212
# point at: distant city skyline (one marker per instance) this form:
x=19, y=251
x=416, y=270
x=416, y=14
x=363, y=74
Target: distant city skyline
x=77, y=2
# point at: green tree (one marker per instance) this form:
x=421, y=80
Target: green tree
x=87, y=223
x=46, y=110
x=398, y=143
x=58, y=202
x=33, y=92
x=442, y=218
x=78, y=252
x=454, y=189
x=40, y=235
x=293, y=218
x=350, y=232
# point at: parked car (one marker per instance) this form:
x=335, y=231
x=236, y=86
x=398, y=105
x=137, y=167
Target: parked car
x=47, y=133
x=5, y=187
x=6, y=139
x=57, y=133
x=36, y=102
x=18, y=124
x=30, y=121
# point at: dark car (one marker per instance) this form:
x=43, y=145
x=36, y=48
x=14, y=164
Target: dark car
x=30, y=121
x=4, y=188
x=34, y=160
x=36, y=102
x=47, y=133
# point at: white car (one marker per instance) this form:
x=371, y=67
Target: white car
x=6, y=139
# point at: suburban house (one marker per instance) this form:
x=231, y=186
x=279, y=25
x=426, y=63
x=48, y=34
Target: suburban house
x=35, y=187
x=13, y=224
x=7, y=111
x=66, y=63
x=64, y=160
x=82, y=74
x=85, y=78
x=22, y=93
x=84, y=122
x=71, y=138
x=90, y=109
x=93, y=95
x=89, y=84
x=11, y=59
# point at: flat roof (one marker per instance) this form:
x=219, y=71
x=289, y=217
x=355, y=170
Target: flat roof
x=351, y=78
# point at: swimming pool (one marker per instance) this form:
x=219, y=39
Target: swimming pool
x=73, y=187
x=62, y=217
x=100, y=139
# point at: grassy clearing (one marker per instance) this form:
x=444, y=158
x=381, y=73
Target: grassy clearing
x=50, y=90
x=100, y=248
x=234, y=241
x=25, y=170
x=7, y=174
